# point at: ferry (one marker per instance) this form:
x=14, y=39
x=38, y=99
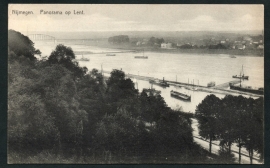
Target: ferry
x=180, y=95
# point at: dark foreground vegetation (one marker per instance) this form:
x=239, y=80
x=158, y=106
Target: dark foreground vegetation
x=59, y=112
x=232, y=120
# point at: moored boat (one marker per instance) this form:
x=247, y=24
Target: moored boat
x=151, y=92
x=180, y=95
x=211, y=84
x=161, y=83
x=248, y=89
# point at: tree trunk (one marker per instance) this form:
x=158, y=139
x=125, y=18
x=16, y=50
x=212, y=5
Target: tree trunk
x=210, y=145
x=251, y=155
x=230, y=145
x=239, y=153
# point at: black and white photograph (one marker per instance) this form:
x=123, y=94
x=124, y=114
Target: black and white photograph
x=135, y=84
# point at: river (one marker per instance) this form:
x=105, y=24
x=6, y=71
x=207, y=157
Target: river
x=189, y=68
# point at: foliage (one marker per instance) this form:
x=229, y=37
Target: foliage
x=155, y=41
x=119, y=39
x=65, y=56
x=21, y=45
x=235, y=119
x=207, y=114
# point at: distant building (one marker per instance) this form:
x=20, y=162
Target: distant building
x=222, y=42
x=166, y=45
x=138, y=43
x=260, y=46
x=240, y=47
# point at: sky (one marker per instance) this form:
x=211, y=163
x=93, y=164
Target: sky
x=105, y=17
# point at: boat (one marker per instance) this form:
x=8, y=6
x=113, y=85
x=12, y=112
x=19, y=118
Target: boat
x=241, y=76
x=192, y=88
x=248, y=89
x=161, y=83
x=109, y=54
x=142, y=56
x=180, y=95
x=151, y=92
x=211, y=84
x=232, y=56
x=83, y=59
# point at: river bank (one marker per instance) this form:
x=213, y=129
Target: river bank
x=132, y=47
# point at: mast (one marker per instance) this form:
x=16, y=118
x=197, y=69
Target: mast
x=243, y=70
x=240, y=76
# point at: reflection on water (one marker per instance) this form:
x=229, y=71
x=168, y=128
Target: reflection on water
x=181, y=67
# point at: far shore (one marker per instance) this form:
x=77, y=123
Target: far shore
x=131, y=48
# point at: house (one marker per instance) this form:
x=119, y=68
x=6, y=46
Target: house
x=166, y=45
x=260, y=46
x=222, y=42
x=240, y=47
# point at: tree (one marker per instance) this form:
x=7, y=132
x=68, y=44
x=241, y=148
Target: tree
x=21, y=45
x=119, y=87
x=65, y=56
x=253, y=130
x=119, y=39
x=91, y=92
x=227, y=120
x=30, y=126
x=207, y=115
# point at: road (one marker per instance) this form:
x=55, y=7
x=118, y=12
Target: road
x=215, y=146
